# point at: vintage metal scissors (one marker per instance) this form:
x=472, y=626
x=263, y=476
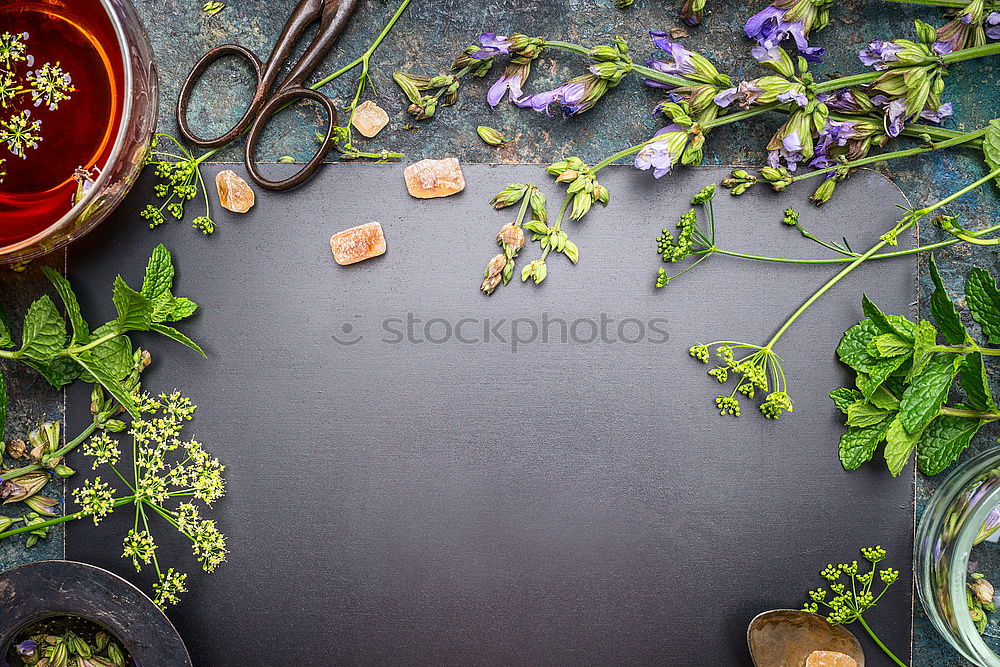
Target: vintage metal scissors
x=333, y=16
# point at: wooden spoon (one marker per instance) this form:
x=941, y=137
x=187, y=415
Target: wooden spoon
x=786, y=637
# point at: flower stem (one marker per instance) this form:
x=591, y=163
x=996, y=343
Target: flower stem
x=955, y=141
x=70, y=446
x=885, y=649
x=62, y=519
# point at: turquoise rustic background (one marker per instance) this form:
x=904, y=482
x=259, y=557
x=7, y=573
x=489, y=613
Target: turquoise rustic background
x=430, y=34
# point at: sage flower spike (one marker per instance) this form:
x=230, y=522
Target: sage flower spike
x=790, y=19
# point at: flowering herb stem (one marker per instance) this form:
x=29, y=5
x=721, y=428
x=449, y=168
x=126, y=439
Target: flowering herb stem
x=902, y=226
x=62, y=519
x=59, y=453
x=955, y=141
x=885, y=649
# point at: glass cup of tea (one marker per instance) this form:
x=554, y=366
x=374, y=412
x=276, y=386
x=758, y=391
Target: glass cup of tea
x=78, y=105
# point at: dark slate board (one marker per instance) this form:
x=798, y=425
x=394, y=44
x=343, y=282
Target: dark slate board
x=466, y=503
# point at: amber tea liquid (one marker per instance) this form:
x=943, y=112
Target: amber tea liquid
x=80, y=133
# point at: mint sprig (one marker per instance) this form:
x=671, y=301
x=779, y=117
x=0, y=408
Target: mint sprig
x=905, y=377
x=64, y=348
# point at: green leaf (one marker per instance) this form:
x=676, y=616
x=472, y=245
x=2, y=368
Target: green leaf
x=943, y=440
x=991, y=146
x=887, y=324
x=975, y=383
x=844, y=396
x=176, y=335
x=58, y=371
x=862, y=414
x=114, y=355
x=110, y=383
x=923, y=398
x=882, y=398
x=6, y=339
x=159, y=276
x=853, y=347
x=944, y=311
x=858, y=445
x=536, y=226
x=135, y=311
x=983, y=297
x=924, y=342
x=168, y=308
x=44, y=333
x=81, y=332
x=880, y=372
x=891, y=345
x=898, y=445
x=3, y=408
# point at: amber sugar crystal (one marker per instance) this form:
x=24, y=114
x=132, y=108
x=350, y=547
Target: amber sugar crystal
x=369, y=119
x=234, y=193
x=358, y=243
x=830, y=659
x=434, y=178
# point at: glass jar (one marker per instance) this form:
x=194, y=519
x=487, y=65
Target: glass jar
x=953, y=543
x=42, y=211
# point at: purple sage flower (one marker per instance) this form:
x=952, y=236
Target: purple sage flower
x=790, y=151
x=727, y=97
x=993, y=25
x=492, y=45
x=879, y=54
x=952, y=35
x=769, y=28
x=834, y=133
x=27, y=648
x=510, y=82
x=844, y=99
x=794, y=95
x=569, y=96
x=942, y=112
x=660, y=156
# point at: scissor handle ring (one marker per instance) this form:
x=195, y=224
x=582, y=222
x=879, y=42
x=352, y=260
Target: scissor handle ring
x=196, y=72
x=273, y=105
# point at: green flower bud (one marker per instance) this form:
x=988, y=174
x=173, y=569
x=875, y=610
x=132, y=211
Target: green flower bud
x=491, y=136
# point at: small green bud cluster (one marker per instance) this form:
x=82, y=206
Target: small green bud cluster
x=751, y=374
x=672, y=250
x=979, y=596
x=705, y=195
x=779, y=178
x=791, y=217
x=847, y=603
x=739, y=181
x=582, y=185
x=425, y=92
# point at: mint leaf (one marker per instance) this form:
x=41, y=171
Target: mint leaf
x=176, y=335
x=181, y=308
x=882, y=398
x=6, y=339
x=887, y=324
x=110, y=383
x=983, y=297
x=944, y=439
x=81, y=332
x=135, y=311
x=853, y=347
x=898, y=445
x=3, y=407
x=44, y=333
x=991, y=146
x=923, y=398
x=843, y=398
x=862, y=414
x=890, y=345
x=58, y=371
x=159, y=276
x=858, y=445
x=944, y=311
x=880, y=372
x=924, y=342
x=977, y=387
